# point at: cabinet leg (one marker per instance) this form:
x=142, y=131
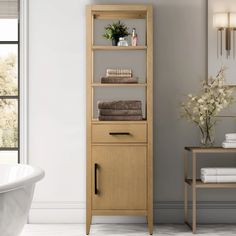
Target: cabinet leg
x=194, y=194
x=194, y=211
x=185, y=188
x=88, y=222
x=150, y=223
x=185, y=202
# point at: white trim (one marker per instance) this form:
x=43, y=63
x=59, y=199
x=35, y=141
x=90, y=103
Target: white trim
x=57, y=212
x=23, y=81
x=164, y=212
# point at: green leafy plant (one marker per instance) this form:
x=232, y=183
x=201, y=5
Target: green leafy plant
x=115, y=30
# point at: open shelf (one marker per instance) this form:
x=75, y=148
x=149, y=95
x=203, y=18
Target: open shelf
x=104, y=47
x=120, y=11
x=200, y=184
x=119, y=85
x=96, y=121
x=210, y=150
x=119, y=15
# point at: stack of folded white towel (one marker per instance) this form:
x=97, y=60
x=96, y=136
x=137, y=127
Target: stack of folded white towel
x=218, y=175
x=230, y=141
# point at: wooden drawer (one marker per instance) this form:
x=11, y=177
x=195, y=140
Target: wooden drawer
x=119, y=133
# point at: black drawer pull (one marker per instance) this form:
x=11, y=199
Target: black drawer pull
x=119, y=133
x=95, y=178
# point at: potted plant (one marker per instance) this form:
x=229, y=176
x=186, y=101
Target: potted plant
x=114, y=31
x=202, y=109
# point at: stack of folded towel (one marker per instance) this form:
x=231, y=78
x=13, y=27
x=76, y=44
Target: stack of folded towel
x=230, y=141
x=117, y=76
x=218, y=175
x=120, y=110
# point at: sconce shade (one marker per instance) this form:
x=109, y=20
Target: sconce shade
x=225, y=23
x=220, y=20
x=233, y=20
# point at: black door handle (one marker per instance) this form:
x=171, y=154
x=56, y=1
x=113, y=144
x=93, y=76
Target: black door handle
x=119, y=133
x=95, y=178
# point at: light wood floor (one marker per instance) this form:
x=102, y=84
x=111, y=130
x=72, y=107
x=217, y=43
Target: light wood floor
x=125, y=230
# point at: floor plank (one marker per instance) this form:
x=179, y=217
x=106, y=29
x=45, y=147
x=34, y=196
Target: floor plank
x=125, y=230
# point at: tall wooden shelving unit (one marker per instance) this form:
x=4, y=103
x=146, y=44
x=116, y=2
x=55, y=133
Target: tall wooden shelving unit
x=120, y=168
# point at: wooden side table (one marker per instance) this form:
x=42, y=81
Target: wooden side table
x=195, y=183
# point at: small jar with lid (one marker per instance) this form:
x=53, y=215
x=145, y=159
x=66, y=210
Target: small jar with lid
x=122, y=42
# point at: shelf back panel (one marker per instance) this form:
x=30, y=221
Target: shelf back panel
x=138, y=24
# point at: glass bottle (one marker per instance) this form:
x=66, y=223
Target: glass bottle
x=134, y=37
x=122, y=42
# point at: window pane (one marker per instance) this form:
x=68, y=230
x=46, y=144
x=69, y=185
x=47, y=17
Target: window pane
x=8, y=123
x=8, y=157
x=8, y=69
x=8, y=29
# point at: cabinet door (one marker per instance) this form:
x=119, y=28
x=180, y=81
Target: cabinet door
x=120, y=176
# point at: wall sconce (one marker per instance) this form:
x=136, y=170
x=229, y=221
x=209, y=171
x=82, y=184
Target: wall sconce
x=225, y=22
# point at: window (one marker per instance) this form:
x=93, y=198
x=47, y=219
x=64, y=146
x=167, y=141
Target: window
x=9, y=82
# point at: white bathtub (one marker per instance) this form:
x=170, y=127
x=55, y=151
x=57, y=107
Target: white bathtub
x=17, y=184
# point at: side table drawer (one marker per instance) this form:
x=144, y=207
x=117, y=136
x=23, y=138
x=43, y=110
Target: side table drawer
x=120, y=133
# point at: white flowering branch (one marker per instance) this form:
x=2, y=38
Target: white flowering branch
x=203, y=108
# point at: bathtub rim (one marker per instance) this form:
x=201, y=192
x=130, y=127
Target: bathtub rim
x=32, y=178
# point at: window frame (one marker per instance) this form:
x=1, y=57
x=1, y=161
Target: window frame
x=23, y=38
x=23, y=64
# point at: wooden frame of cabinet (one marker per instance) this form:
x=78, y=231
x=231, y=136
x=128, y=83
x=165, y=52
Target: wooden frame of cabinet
x=195, y=183
x=100, y=144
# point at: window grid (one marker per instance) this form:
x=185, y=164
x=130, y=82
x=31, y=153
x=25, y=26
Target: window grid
x=15, y=97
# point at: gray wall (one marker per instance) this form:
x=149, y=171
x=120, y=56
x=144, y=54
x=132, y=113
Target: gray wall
x=57, y=123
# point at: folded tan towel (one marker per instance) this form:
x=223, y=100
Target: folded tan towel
x=112, y=112
x=119, y=80
x=119, y=75
x=119, y=72
x=120, y=118
x=121, y=105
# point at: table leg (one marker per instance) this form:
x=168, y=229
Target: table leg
x=194, y=193
x=185, y=202
x=185, y=188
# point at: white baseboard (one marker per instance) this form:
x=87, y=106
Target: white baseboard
x=164, y=212
x=57, y=212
